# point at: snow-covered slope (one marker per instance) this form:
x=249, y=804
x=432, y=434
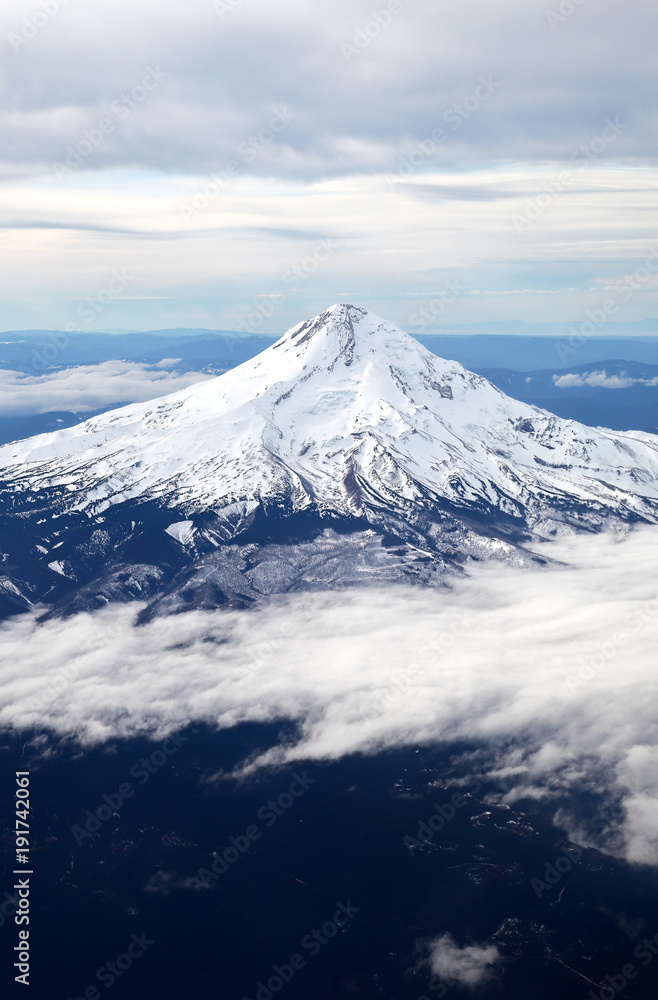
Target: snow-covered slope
x=347, y=412
x=345, y=452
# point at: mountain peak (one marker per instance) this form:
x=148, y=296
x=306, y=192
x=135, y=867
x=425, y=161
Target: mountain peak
x=339, y=318
x=345, y=412
x=344, y=420
x=345, y=332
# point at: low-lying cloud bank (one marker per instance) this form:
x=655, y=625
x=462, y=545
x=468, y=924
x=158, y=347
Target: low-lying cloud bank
x=552, y=670
x=89, y=387
x=600, y=380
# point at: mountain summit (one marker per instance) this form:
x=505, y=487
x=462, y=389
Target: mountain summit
x=345, y=443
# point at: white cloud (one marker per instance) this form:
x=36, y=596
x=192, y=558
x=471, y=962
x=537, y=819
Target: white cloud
x=89, y=387
x=599, y=379
x=553, y=669
x=570, y=381
x=471, y=966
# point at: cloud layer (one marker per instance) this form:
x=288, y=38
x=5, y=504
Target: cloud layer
x=599, y=380
x=198, y=81
x=89, y=387
x=553, y=670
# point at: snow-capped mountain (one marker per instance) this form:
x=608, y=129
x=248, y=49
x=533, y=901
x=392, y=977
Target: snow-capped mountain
x=346, y=442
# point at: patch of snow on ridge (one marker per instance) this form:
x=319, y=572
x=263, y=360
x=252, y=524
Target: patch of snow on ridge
x=182, y=531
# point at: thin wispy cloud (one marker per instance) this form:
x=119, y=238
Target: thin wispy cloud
x=389, y=245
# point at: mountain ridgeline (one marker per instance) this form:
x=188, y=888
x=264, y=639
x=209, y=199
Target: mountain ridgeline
x=343, y=454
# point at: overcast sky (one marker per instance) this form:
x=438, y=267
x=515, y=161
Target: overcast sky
x=117, y=116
